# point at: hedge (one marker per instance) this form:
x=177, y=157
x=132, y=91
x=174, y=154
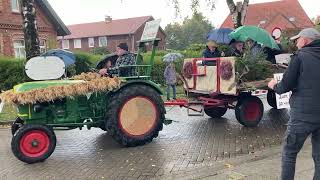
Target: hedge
x=12, y=70
x=159, y=65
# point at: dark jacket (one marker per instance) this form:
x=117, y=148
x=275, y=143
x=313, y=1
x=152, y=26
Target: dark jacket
x=302, y=78
x=209, y=54
x=271, y=53
x=235, y=52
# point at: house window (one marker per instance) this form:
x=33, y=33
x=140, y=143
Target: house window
x=65, y=44
x=91, y=42
x=103, y=41
x=15, y=7
x=77, y=43
x=43, y=46
x=19, y=49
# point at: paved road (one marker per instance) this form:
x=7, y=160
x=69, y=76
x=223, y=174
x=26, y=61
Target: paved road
x=188, y=143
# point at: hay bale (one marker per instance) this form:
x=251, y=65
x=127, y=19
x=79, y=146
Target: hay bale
x=93, y=83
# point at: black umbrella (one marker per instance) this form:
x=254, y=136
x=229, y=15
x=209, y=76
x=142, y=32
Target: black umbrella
x=110, y=57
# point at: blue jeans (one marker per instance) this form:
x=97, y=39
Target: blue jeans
x=174, y=91
x=296, y=135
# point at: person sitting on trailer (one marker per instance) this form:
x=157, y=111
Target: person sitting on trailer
x=211, y=51
x=125, y=58
x=254, y=48
x=236, y=48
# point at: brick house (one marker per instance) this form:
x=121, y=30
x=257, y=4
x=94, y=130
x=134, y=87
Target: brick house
x=11, y=33
x=108, y=33
x=287, y=15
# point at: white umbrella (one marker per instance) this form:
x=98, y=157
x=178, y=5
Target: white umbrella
x=171, y=57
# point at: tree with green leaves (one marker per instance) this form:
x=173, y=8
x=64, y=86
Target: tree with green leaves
x=30, y=29
x=238, y=10
x=193, y=30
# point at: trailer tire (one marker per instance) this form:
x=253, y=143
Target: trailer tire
x=249, y=111
x=271, y=98
x=33, y=143
x=135, y=115
x=215, y=112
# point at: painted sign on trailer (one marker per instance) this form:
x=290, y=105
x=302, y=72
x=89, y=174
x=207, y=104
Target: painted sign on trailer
x=283, y=99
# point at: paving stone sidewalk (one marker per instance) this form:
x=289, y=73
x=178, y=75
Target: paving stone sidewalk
x=262, y=165
x=184, y=146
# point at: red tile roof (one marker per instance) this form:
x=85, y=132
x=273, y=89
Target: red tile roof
x=275, y=14
x=115, y=27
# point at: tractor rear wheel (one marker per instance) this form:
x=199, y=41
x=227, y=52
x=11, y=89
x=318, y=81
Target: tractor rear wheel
x=249, y=111
x=135, y=115
x=33, y=143
x=271, y=98
x=215, y=112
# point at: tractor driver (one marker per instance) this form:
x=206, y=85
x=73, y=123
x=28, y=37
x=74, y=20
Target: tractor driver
x=125, y=58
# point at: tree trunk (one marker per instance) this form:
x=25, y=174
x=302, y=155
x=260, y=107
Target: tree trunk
x=30, y=28
x=238, y=12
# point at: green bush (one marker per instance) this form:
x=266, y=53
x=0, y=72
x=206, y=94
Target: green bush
x=84, y=63
x=159, y=66
x=11, y=73
x=258, y=66
x=196, y=47
x=287, y=45
x=99, y=51
x=193, y=51
x=12, y=70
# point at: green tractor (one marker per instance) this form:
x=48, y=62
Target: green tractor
x=133, y=113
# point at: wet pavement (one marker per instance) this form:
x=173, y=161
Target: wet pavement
x=188, y=143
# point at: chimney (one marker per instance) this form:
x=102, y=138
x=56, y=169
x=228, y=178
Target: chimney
x=108, y=19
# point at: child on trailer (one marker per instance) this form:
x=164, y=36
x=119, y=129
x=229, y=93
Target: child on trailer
x=171, y=79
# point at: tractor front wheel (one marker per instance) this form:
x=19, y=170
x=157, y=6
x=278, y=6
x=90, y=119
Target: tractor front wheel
x=135, y=115
x=249, y=111
x=215, y=112
x=33, y=143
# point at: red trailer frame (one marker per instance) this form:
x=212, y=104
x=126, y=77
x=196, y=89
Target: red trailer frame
x=249, y=109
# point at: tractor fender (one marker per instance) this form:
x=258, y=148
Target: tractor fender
x=141, y=82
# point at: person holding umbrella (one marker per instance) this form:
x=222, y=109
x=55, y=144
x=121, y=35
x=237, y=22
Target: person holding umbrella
x=254, y=37
x=254, y=47
x=171, y=78
x=212, y=51
x=170, y=73
x=236, y=48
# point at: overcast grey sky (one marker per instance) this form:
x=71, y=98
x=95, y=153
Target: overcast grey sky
x=82, y=11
